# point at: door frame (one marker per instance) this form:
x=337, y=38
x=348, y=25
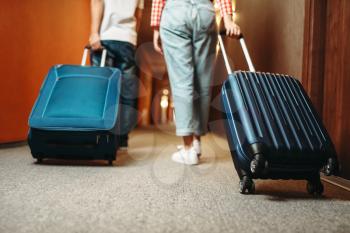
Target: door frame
x=313, y=70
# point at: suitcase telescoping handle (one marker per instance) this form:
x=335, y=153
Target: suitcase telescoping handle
x=86, y=52
x=244, y=48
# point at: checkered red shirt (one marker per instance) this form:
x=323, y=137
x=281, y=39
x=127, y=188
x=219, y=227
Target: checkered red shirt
x=158, y=5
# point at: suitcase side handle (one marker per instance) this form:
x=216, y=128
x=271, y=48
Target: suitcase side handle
x=244, y=48
x=86, y=52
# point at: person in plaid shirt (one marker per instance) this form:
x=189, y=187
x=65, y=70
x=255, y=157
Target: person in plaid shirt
x=185, y=31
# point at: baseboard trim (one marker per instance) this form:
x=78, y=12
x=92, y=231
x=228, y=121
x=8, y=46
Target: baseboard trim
x=337, y=181
x=12, y=144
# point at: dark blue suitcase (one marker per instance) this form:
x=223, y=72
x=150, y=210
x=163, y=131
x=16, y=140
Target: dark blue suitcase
x=76, y=113
x=273, y=129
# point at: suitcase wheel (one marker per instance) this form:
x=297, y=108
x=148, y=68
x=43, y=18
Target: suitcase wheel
x=258, y=165
x=39, y=160
x=331, y=168
x=315, y=187
x=246, y=185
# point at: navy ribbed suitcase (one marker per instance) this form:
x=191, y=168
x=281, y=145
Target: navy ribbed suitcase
x=273, y=129
x=76, y=113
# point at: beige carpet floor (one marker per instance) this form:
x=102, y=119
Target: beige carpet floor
x=145, y=191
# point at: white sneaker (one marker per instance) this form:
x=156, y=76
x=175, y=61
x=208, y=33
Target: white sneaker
x=188, y=157
x=196, y=146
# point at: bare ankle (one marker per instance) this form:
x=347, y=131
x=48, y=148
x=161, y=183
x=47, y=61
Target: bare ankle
x=198, y=138
x=188, y=141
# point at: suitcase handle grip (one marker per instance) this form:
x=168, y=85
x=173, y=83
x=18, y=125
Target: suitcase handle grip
x=244, y=48
x=85, y=55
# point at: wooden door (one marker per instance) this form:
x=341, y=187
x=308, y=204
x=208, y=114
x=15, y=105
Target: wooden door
x=336, y=97
x=326, y=71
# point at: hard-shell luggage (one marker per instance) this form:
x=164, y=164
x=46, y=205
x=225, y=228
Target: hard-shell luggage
x=273, y=129
x=76, y=113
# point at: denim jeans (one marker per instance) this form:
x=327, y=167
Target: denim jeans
x=121, y=55
x=189, y=37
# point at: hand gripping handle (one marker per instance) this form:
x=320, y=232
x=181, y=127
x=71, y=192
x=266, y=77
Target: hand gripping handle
x=244, y=48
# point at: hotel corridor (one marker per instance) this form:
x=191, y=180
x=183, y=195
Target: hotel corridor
x=146, y=192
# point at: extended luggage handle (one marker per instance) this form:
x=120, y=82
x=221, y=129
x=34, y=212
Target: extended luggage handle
x=86, y=52
x=244, y=48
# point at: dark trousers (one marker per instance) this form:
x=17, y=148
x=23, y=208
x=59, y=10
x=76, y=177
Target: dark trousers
x=121, y=55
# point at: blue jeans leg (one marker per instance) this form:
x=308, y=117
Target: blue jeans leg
x=188, y=33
